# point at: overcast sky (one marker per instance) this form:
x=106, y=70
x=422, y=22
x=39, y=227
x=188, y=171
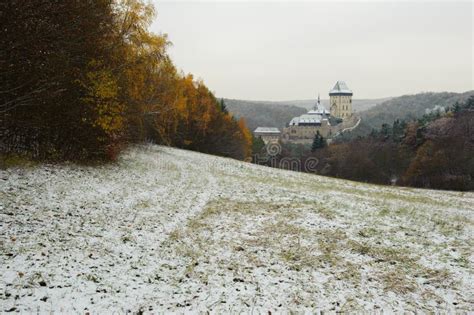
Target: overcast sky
x=287, y=50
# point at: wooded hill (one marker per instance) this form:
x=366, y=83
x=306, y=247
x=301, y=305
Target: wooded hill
x=409, y=107
x=358, y=105
x=263, y=114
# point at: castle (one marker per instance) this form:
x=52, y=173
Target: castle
x=302, y=129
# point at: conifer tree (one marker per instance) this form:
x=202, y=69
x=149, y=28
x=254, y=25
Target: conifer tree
x=318, y=142
x=257, y=144
x=456, y=107
x=223, y=107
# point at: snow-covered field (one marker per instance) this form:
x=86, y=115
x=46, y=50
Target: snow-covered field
x=167, y=230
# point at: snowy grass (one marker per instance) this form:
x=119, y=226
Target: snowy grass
x=171, y=230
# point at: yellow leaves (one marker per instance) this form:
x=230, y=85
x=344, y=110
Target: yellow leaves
x=206, y=118
x=246, y=137
x=101, y=84
x=102, y=95
x=180, y=104
x=135, y=16
x=245, y=131
x=110, y=118
x=155, y=44
x=136, y=87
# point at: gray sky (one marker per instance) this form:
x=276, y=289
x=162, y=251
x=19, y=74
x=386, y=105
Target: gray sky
x=287, y=50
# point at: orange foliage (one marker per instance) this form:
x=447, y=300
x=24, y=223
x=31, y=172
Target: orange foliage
x=247, y=135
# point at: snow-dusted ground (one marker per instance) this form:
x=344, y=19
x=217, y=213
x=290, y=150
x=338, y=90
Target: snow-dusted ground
x=171, y=230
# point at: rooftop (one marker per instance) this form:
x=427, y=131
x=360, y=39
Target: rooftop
x=340, y=88
x=319, y=111
x=307, y=119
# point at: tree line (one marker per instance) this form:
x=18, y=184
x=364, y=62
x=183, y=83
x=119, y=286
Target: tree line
x=434, y=151
x=81, y=80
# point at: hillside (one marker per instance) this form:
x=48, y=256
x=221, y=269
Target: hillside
x=172, y=230
x=263, y=114
x=358, y=105
x=409, y=107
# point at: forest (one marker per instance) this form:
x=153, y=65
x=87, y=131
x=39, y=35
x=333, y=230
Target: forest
x=434, y=151
x=81, y=80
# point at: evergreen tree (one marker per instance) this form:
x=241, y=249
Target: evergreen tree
x=398, y=130
x=223, y=107
x=318, y=142
x=385, y=131
x=257, y=145
x=373, y=133
x=456, y=107
x=469, y=105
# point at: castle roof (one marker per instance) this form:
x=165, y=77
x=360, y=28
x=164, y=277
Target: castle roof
x=307, y=119
x=312, y=117
x=318, y=109
x=340, y=89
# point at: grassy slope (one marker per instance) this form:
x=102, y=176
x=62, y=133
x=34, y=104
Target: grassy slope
x=172, y=230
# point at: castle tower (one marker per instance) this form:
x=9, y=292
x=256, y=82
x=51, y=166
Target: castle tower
x=340, y=100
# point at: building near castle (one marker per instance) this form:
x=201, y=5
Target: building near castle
x=302, y=129
x=268, y=134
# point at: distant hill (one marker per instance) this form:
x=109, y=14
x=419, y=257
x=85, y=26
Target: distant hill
x=358, y=105
x=264, y=114
x=409, y=107
x=278, y=114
